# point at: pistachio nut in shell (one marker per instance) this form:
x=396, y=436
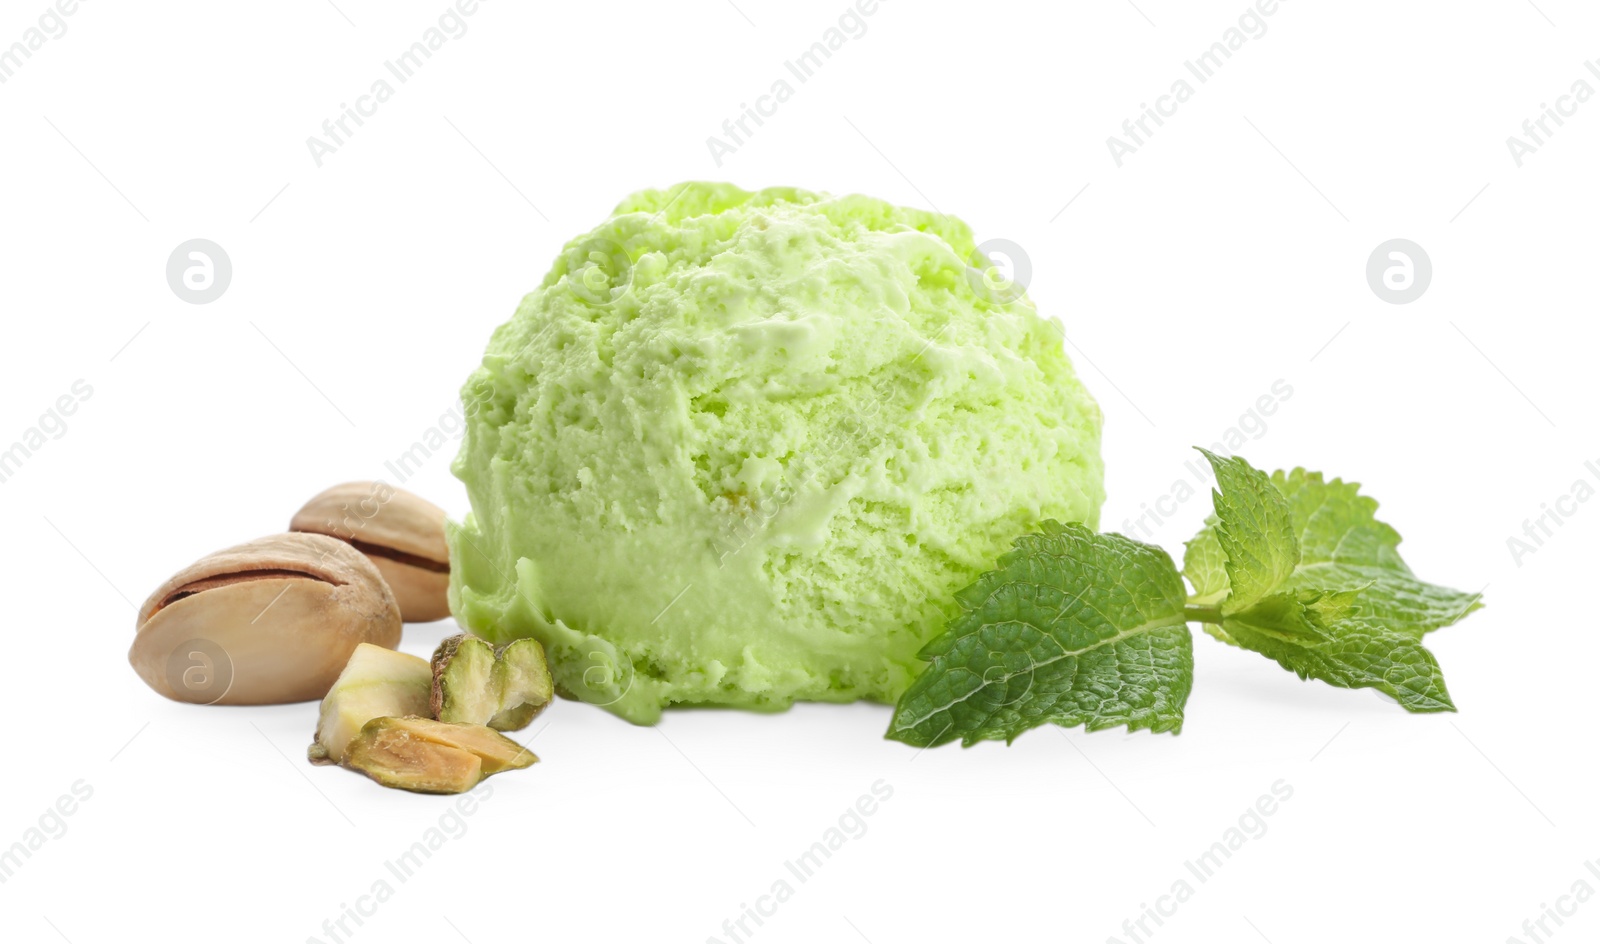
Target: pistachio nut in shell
x=268, y=622
x=401, y=533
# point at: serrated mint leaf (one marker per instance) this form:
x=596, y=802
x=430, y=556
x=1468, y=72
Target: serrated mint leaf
x=1314, y=636
x=1206, y=565
x=1395, y=599
x=1073, y=628
x=1335, y=522
x=1344, y=545
x=1254, y=532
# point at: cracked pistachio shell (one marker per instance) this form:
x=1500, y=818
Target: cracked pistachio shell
x=402, y=534
x=268, y=622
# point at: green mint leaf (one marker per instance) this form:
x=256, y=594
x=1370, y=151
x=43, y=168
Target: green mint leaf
x=1282, y=616
x=1334, y=522
x=1205, y=563
x=1344, y=545
x=1325, y=607
x=1073, y=628
x=1316, y=636
x=1253, y=530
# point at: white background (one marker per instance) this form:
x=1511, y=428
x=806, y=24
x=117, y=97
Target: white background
x=1228, y=253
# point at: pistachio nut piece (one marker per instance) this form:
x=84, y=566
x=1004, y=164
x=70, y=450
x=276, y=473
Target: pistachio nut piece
x=377, y=683
x=268, y=622
x=401, y=533
x=428, y=756
x=475, y=683
x=386, y=751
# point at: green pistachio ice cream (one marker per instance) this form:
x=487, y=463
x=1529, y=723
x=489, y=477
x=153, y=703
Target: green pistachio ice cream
x=742, y=448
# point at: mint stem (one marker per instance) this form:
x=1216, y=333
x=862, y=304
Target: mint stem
x=1196, y=613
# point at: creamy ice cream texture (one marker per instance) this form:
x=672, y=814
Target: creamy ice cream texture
x=741, y=449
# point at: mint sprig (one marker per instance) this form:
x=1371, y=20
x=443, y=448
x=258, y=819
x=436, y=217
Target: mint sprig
x=1342, y=544
x=1077, y=628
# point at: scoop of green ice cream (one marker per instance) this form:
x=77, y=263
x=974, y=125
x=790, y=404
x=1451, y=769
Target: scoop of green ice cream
x=742, y=448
